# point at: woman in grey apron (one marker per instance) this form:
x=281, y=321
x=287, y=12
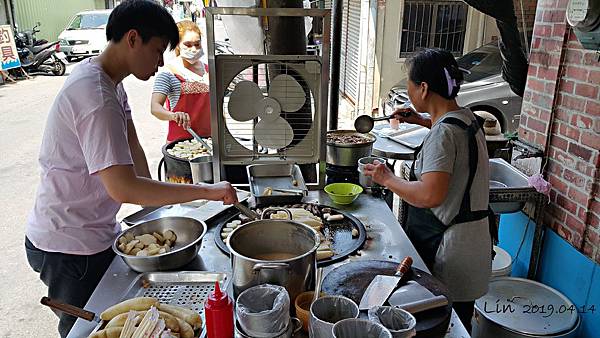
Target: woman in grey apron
x=448, y=189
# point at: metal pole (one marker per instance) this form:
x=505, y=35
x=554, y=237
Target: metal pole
x=336, y=50
x=12, y=19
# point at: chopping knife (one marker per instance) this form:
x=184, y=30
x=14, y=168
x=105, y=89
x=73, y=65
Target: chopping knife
x=70, y=309
x=382, y=286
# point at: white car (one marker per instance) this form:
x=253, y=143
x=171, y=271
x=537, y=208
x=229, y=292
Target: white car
x=85, y=35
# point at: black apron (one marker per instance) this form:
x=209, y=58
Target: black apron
x=423, y=228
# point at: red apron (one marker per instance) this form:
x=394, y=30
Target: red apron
x=194, y=100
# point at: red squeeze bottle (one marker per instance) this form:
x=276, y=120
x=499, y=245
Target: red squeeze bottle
x=218, y=310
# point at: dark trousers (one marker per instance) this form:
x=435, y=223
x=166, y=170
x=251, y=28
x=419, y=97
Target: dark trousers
x=464, y=310
x=70, y=279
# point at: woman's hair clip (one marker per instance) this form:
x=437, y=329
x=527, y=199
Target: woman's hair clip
x=451, y=82
x=466, y=71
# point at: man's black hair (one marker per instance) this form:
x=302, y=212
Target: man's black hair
x=147, y=17
x=430, y=66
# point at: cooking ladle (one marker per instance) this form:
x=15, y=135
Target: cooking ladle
x=364, y=123
x=199, y=139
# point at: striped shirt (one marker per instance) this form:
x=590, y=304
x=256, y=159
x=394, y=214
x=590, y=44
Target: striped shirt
x=166, y=83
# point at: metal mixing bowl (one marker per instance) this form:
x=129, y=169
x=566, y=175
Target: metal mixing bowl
x=189, y=233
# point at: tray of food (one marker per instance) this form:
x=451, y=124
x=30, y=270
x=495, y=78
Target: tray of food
x=276, y=183
x=178, y=296
x=341, y=233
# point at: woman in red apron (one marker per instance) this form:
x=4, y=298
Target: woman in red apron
x=181, y=94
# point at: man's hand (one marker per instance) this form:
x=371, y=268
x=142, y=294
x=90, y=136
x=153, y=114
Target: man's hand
x=222, y=191
x=380, y=172
x=181, y=118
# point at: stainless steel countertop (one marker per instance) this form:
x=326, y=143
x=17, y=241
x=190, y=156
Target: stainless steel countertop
x=388, y=241
x=384, y=147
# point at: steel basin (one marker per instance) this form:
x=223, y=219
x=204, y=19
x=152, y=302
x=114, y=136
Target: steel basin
x=504, y=178
x=189, y=233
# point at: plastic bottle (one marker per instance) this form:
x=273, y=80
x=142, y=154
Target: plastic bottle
x=218, y=310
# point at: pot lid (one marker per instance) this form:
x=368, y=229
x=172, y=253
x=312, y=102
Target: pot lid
x=526, y=306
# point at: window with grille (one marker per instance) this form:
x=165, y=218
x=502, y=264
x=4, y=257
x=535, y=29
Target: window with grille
x=431, y=23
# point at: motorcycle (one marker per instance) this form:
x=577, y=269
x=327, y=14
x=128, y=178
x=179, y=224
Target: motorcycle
x=39, y=56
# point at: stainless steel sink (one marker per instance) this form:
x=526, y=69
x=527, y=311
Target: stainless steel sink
x=504, y=180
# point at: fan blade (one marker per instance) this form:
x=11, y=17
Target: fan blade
x=288, y=92
x=268, y=109
x=242, y=101
x=275, y=134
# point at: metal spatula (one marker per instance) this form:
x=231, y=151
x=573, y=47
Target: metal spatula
x=382, y=286
x=199, y=139
x=247, y=211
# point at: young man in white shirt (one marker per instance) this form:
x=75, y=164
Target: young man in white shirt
x=92, y=162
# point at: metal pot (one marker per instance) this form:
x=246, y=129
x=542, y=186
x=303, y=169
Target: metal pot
x=279, y=252
x=179, y=170
x=202, y=169
x=519, y=308
x=348, y=154
x=189, y=233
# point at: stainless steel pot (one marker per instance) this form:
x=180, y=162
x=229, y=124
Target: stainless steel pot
x=348, y=154
x=279, y=252
x=522, y=308
x=202, y=169
x=189, y=233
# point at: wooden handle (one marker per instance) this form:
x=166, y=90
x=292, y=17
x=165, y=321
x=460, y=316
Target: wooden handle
x=68, y=309
x=404, y=265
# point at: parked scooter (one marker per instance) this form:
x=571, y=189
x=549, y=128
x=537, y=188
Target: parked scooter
x=37, y=56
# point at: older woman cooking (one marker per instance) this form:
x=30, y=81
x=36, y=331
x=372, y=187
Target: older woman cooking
x=449, y=187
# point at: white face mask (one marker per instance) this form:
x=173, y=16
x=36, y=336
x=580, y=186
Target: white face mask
x=190, y=55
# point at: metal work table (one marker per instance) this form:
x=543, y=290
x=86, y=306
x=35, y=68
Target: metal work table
x=386, y=241
x=384, y=147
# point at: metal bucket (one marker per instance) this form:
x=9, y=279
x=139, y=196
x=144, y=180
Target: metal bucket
x=364, y=180
x=502, y=263
x=202, y=169
x=276, y=252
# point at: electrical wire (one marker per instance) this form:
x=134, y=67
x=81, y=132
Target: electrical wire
x=523, y=238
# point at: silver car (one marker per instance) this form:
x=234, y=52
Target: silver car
x=483, y=90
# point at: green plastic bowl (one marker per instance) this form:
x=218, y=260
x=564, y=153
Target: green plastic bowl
x=343, y=193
